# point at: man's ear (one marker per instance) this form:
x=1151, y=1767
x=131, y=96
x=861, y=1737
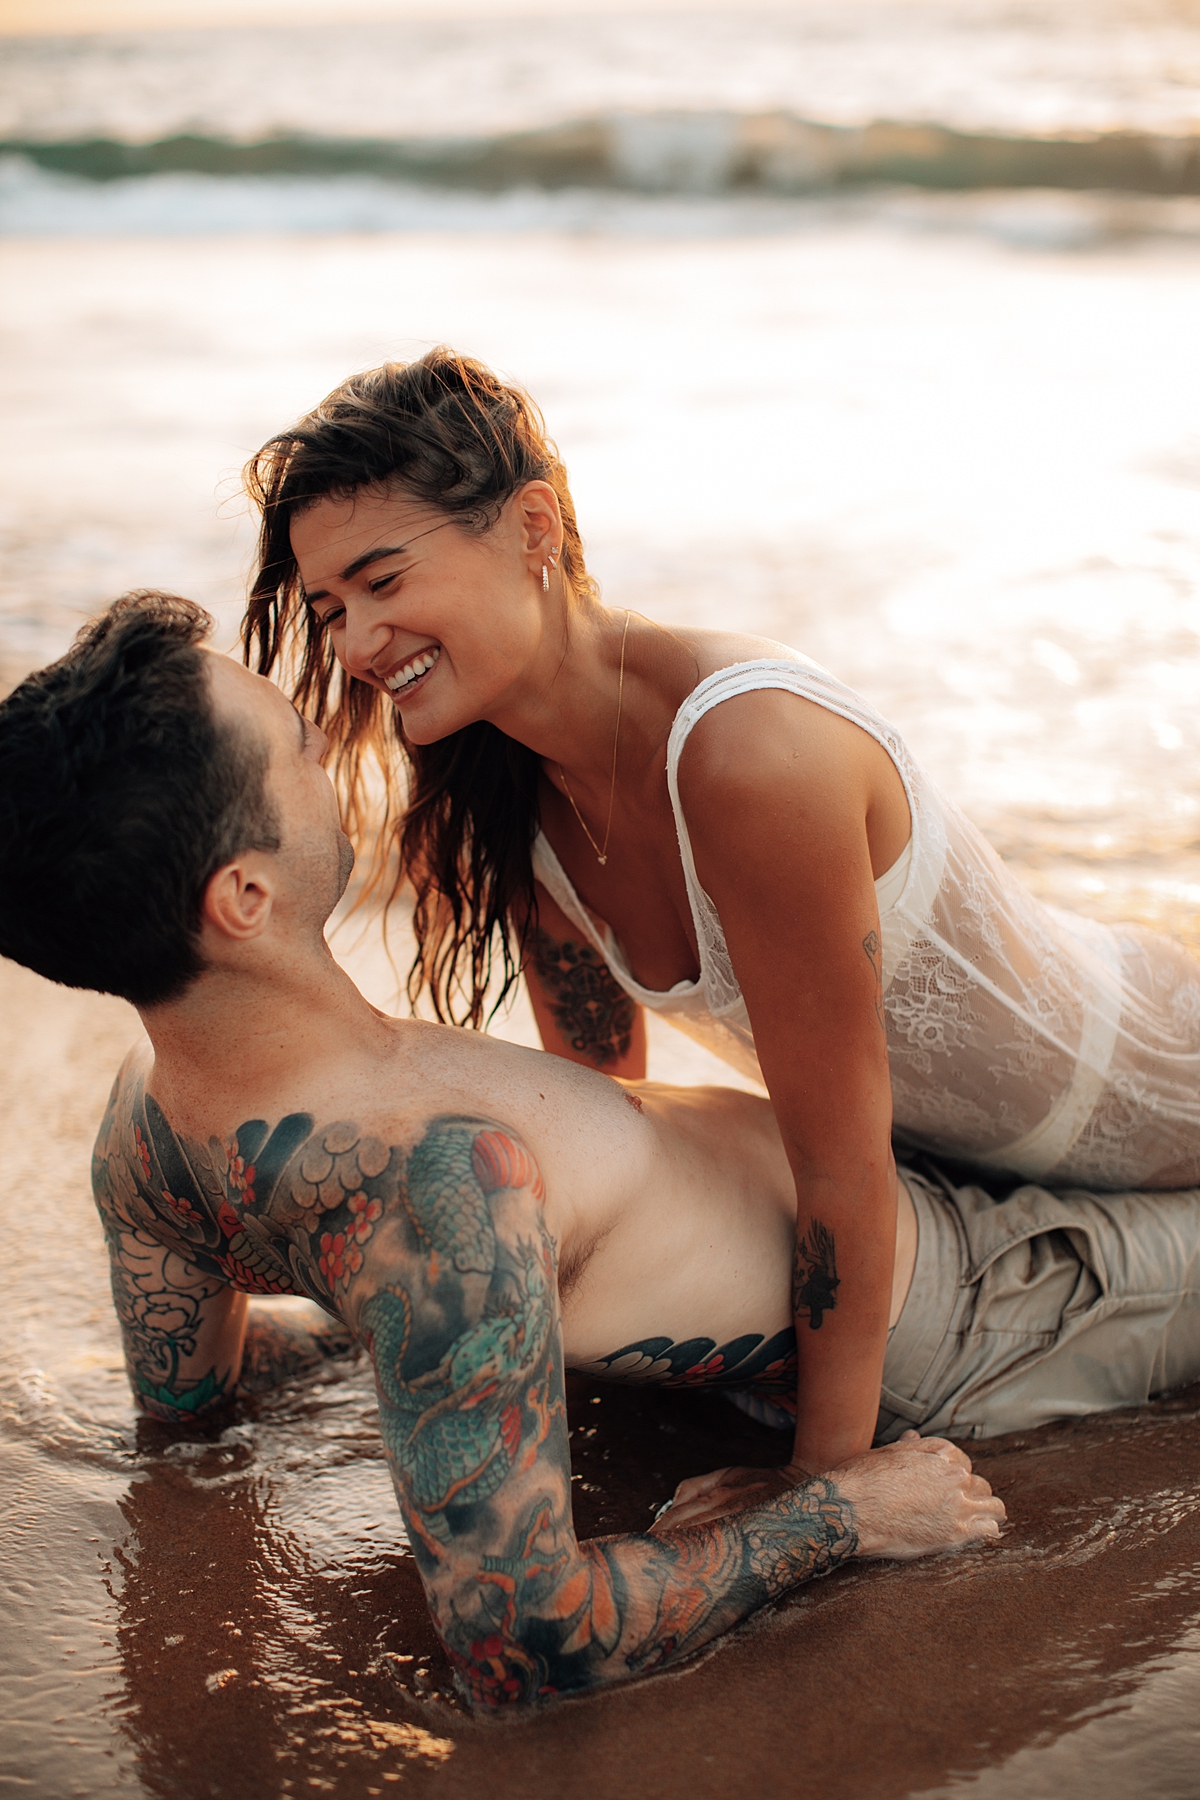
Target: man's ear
x=239, y=898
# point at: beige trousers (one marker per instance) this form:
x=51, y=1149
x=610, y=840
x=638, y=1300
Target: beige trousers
x=1040, y=1306
x=1033, y=1307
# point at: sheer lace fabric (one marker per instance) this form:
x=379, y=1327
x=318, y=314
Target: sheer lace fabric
x=1019, y=1036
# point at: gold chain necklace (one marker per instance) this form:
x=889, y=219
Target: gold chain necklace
x=602, y=850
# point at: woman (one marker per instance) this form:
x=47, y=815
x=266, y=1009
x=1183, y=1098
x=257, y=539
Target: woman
x=700, y=823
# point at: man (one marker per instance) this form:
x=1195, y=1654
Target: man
x=475, y=1213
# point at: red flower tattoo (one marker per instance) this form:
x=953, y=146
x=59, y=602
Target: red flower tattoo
x=340, y=1257
x=183, y=1209
x=142, y=1151
x=250, y=1281
x=241, y=1173
x=341, y=1251
x=365, y=1212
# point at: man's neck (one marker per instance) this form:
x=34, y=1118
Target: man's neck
x=256, y=1029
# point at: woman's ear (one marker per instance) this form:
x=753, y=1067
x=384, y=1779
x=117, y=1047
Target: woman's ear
x=239, y=898
x=539, y=519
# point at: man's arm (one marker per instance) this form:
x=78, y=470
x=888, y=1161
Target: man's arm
x=583, y=1013
x=193, y=1342
x=458, y=1303
x=436, y=1253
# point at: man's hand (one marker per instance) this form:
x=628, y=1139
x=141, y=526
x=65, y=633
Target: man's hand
x=912, y=1498
x=917, y=1497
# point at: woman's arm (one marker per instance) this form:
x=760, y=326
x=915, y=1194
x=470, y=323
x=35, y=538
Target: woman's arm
x=782, y=799
x=582, y=1011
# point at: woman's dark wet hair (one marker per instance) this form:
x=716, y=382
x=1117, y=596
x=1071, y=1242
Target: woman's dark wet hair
x=121, y=794
x=446, y=431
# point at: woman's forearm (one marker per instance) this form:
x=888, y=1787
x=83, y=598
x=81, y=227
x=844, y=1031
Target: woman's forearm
x=841, y=1294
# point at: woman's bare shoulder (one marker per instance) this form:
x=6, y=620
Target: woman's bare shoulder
x=715, y=650
x=752, y=749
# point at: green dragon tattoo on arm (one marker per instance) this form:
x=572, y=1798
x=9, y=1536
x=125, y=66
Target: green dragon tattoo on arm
x=437, y=1256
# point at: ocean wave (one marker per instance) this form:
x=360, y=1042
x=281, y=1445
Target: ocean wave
x=663, y=178
x=690, y=152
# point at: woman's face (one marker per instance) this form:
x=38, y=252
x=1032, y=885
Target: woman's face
x=451, y=624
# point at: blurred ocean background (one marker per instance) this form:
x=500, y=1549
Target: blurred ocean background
x=870, y=325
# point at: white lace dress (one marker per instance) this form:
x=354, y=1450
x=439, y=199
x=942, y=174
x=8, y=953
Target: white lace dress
x=1019, y=1036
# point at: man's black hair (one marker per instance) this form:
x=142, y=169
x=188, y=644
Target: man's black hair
x=121, y=794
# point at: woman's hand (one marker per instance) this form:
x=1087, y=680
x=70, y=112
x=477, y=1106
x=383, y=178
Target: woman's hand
x=702, y=1498
x=912, y=1498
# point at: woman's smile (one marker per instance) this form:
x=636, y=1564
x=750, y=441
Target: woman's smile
x=412, y=674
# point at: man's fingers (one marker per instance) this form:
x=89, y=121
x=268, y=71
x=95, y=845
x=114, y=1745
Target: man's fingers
x=984, y=1528
x=717, y=1505
x=945, y=1449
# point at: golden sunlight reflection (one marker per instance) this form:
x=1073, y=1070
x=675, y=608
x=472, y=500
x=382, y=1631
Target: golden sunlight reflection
x=943, y=435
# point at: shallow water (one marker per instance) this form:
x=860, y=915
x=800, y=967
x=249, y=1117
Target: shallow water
x=235, y=1612
x=950, y=445
x=950, y=449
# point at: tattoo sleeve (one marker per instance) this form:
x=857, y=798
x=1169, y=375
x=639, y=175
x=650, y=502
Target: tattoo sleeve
x=589, y=1006
x=465, y=1336
x=436, y=1255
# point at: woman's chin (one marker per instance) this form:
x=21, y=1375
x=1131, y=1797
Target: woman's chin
x=426, y=725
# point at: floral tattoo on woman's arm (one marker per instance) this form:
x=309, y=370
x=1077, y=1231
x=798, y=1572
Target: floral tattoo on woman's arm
x=587, y=1003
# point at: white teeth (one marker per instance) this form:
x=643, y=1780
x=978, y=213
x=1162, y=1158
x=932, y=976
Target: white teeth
x=412, y=671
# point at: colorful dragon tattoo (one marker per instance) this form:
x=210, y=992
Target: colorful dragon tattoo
x=435, y=1254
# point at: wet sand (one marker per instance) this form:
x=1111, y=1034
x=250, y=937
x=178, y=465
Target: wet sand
x=234, y=1612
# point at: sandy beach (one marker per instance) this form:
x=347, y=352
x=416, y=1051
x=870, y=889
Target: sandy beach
x=946, y=443
x=234, y=1612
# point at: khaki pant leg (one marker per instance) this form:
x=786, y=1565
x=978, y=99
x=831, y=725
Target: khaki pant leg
x=1066, y=1304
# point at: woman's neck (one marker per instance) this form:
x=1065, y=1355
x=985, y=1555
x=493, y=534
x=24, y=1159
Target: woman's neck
x=608, y=661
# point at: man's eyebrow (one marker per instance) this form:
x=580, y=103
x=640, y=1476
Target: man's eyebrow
x=357, y=566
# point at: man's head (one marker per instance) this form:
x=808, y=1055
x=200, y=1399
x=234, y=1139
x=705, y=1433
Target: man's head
x=154, y=798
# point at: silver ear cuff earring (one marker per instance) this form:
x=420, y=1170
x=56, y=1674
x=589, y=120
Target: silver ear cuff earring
x=553, y=555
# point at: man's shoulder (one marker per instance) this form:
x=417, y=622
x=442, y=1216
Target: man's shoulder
x=290, y=1204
